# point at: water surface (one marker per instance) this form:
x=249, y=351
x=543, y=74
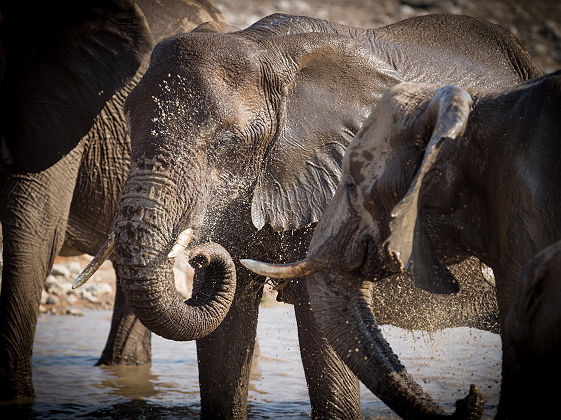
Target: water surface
x=68, y=385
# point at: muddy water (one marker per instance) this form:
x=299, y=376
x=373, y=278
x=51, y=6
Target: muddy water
x=69, y=386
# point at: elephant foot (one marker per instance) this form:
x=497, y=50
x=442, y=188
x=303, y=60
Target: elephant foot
x=18, y=387
x=470, y=407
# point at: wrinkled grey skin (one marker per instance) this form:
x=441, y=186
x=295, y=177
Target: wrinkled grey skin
x=240, y=136
x=498, y=191
x=482, y=187
x=532, y=340
x=67, y=151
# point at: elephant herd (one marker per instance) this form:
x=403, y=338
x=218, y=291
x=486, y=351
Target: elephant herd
x=375, y=170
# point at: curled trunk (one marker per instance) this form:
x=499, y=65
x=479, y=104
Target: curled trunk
x=343, y=312
x=158, y=305
x=144, y=236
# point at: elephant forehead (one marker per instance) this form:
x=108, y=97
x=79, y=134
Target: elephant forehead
x=229, y=56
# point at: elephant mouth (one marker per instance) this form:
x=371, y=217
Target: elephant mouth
x=108, y=248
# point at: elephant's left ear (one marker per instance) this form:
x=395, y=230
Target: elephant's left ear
x=60, y=74
x=448, y=113
x=323, y=102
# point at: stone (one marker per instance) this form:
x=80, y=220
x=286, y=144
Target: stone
x=60, y=270
x=44, y=296
x=52, y=300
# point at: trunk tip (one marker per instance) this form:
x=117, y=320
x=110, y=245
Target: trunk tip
x=470, y=407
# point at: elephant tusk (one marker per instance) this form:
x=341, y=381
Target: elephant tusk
x=181, y=243
x=282, y=271
x=102, y=255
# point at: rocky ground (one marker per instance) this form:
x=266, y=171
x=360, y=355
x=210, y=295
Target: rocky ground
x=536, y=23
x=59, y=298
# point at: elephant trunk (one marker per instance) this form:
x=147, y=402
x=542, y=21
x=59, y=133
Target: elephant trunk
x=145, y=230
x=342, y=309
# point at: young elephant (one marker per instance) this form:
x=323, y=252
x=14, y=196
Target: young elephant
x=65, y=151
x=474, y=175
x=532, y=340
x=240, y=137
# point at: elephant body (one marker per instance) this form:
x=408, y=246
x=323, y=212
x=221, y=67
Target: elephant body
x=437, y=175
x=499, y=202
x=532, y=339
x=239, y=135
x=66, y=152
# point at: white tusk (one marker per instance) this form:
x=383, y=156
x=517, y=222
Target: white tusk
x=181, y=243
x=282, y=271
x=102, y=255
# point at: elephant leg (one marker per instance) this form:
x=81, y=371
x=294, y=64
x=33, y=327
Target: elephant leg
x=34, y=214
x=129, y=340
x=225, y=356
x=334, y=390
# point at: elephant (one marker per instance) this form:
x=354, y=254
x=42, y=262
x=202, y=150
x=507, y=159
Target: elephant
x=532, y=340
x=65, y=151
x=238, y=137
x=437, y=175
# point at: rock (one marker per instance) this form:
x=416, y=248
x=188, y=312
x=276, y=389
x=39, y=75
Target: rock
x=74, y=312
x=56, y=290
x=61, y=270
x=44, y=296
x=74, y=268
x=52, y=300
x=72, y=298
x=51, y=280
x=87, y=295
x=551, y=30
x=100, y=289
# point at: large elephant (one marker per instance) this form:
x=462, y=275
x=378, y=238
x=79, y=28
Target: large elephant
x=475, y=174
x=239, y=136
x=532, y=340
x=65, y=150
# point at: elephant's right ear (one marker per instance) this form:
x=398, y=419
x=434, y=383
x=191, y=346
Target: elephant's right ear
x=448, y=112
x=62, y=66
x=325, y=93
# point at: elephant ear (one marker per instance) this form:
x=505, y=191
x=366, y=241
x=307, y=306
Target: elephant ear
x=409, y=242
x=321, y=105
x=61, y=69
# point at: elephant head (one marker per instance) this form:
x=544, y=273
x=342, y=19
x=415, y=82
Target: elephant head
x=220, y=115
x=58, y=70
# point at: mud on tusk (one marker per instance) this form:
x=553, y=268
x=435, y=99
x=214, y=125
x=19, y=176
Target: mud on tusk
x=181, y=243
x=102, y=255
x=281, y=271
